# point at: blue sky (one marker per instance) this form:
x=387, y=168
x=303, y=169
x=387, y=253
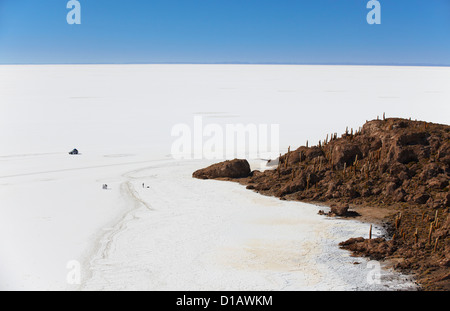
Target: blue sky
x=412, y=32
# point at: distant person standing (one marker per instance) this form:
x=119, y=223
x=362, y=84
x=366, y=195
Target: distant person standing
x=143, y=186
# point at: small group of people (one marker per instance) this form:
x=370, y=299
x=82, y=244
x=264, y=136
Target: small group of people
x=105, y=186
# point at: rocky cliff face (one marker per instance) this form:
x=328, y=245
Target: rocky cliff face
x=395, y=163
x=387, y=161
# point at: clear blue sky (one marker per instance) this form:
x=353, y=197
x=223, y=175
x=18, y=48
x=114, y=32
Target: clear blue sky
x=414, y=32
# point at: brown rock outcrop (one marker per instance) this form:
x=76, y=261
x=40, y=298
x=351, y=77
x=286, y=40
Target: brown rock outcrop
x=229, y=169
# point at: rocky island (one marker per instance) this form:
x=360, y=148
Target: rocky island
x=393, y=172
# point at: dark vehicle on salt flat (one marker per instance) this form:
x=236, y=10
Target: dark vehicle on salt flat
x=74, y=151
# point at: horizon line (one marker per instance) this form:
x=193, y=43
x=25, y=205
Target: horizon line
x=231, y=63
